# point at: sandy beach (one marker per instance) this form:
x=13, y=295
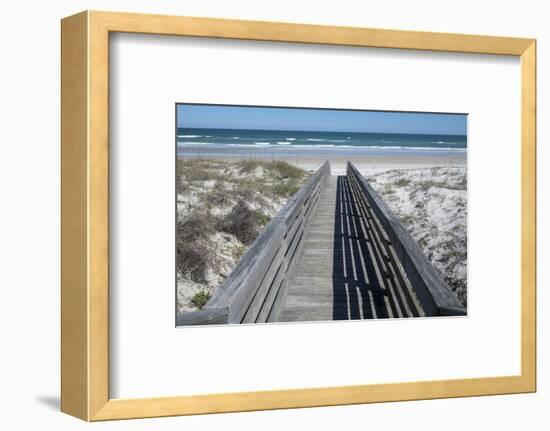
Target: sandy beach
x=367, y=164
x=365, y=159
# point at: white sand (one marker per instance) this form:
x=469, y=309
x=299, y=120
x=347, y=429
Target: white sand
x=383, y=163
x=432, y=205
x=364, y=160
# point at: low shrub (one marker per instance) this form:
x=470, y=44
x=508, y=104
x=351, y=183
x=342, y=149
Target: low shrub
x=218, y=196
x=195, y=251
x=248, y=165
x=402, y=182
x=285, y=189
x=286, y=170
x=262, y=218
x=243, y=222
x=200, y=299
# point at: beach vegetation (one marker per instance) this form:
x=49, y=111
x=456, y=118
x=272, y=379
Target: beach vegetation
x=248, y=165
x=287, y=171
x=285, y=188
x=200, y=299
x=263, y=219
x=222, y=206
x=239, y=251
x=195, y=249
x=243, y=222
x=199, y=170
x=219, y=195
x=402, y=182
x=426, y=185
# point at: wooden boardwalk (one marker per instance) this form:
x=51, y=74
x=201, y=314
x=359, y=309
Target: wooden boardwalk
x=335, y=251
x=348, y=268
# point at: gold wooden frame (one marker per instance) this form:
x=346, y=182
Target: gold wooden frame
x=85, y=225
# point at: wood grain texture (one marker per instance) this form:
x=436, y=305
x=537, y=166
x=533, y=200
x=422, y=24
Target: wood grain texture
x=84, y=291
x=207, y=316
x=347, y=269
x=98, y=213
x=74, y=220
x=309, y=295
x=431, y=290
x=308, y=33
x=309, y=397
x=529, y=216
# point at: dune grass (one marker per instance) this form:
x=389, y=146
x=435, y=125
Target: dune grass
x=221, y=209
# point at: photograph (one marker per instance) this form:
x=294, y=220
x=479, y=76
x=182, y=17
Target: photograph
x=290, y=214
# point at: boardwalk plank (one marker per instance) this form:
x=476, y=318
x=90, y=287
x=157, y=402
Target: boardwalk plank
x=347, y=269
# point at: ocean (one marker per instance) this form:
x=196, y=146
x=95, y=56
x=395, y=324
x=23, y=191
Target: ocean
x=220, y=141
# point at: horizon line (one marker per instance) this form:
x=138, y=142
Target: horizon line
x=321, y=131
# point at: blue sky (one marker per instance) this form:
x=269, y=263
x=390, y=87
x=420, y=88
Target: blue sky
x=245, y=117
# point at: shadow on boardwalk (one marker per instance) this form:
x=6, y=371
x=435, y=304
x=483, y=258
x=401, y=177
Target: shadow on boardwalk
x=360, y=278
x=347, y=269
x=354, y=281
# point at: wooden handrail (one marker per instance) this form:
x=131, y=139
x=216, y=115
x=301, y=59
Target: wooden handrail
x=435, y=296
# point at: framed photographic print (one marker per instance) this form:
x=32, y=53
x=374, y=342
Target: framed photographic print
x=267, y=215
x=277, y=223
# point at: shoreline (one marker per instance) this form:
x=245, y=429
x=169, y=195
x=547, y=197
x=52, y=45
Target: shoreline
x=366, y=160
